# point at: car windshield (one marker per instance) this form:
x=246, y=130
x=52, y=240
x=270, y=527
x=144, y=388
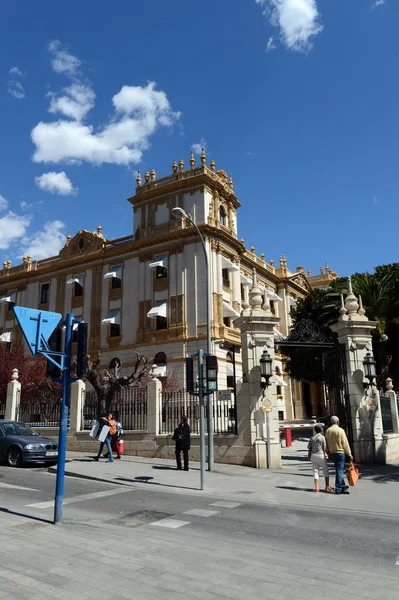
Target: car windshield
x=18, y=429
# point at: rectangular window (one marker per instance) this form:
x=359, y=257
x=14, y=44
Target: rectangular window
x=279, y=390
x=77, y=290
x=44, y=293
x=160, y=266
x=226, y=278
x=281, y=415
x=272, y=307
x=230, y=381
x=116, y=283
x=114, y=330
x=242, y=293
x=227, y=321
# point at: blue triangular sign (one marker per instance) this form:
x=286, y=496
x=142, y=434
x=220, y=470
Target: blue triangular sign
x=37, y=326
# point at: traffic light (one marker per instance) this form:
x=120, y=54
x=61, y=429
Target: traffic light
x=81, y=360
x=211, y=367
x=54, y=342
x=190, y=374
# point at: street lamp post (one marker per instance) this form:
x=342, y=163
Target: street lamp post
x=180, y=212
x=266, y=372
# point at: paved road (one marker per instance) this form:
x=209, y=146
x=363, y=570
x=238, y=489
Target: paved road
x=159, y=545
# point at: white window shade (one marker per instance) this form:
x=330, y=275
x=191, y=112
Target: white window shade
x=228, y=311
x=227, y=264
x=229, y=370
x=280, y=381
x=114, y=273
x=80, y=280
x=10, y=298
x=159, y=371
x=158, y=311
x=292, y=302
x=245, y=280
x=114, y=318
x=5, y=337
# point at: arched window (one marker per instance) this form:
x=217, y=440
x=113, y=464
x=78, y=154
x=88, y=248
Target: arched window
x=222, y=215
x=229, y=370
x=160, y=359
x=278, y=372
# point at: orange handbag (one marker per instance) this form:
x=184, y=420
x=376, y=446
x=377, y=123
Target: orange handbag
x=352, y=473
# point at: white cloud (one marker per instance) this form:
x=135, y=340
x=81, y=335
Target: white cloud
x=140, y=111
x=377, y=3
x=56, y=183
x=12, y=228
x=297, y=20
x=3, y=203
x=14, y=86
x=47, y=242
x=62, y=61
x=198, y=147
x=16, y=71
x=25, y=206
x=270, y=46
x=74, y=102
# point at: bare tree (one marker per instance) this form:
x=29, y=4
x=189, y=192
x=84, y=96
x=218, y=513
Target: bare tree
x=107, y=382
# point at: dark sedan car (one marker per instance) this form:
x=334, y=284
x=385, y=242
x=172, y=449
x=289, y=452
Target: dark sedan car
x=19, y=445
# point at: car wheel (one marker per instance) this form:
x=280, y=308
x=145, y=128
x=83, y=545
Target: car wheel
x=14, y=457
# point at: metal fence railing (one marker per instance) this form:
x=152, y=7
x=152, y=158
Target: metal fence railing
x=176, y=404
x=40, y=407
x=386, y=413
x=3, y=400
x=129, y=406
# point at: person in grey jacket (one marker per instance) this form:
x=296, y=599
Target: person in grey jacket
x=317, y=453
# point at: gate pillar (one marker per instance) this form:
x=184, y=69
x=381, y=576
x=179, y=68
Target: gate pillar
x=354, y=333
x=13, y=397
x=257, y=325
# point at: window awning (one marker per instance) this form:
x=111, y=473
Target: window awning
x=245, y=280
x=10, y=298
x=227, y=264
x=229, y=369
x=114, y=273
x=277, y=334
x=158, y=311
x=80, y=280
x=114, y=318
x=291, y=301
x=157, y=263
x=228, y=311
x=280, y=381
x=5, y=337
x=159, y=371
x=273, y=296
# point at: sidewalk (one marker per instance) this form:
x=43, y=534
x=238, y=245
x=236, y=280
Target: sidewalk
x=376, y=492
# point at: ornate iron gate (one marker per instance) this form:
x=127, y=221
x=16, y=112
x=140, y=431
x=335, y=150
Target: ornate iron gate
x=307, y=334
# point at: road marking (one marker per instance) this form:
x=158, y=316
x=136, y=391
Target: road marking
x=200, y=512
x=81, y=498
x=171, y=523
x=9, y=486
x=226, y=504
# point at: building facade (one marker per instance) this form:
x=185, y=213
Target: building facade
x=146, y=291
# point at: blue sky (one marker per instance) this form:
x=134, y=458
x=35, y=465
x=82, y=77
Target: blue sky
x=298, y=99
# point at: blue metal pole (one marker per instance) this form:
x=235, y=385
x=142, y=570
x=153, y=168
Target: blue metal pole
x=62, y=438
x=202, y=415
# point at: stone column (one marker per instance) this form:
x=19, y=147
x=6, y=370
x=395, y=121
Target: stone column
x=394, y=404
x=13, y=397
x=77, y=396
x=354, y=333
x=257, y=323
x=154, y=389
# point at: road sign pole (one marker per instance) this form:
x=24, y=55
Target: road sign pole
x=268, y=459
x=63, y=428
x=202, y=415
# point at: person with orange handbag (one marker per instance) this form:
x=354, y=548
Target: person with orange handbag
x=339, y=449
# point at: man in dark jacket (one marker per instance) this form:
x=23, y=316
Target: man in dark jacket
x=182, y=438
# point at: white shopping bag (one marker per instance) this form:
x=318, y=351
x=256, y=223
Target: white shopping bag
x=104, y=433
x=94, y=430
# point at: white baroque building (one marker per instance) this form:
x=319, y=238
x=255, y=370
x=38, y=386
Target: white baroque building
x=146, y=291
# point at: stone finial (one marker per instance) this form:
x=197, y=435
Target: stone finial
x=342, y=310
x=351, y=303
x=212, y=165
x=321, y=271
x=153, y=175
x=281, y=261
x=266, y=302
x=174, y=167
x=5, y=264
x=14, y=374
x=99, y=230
x=203, y=157
x=231, y=182
x=361, y=310
x=30, y=258
x=328, y=270
x=262, y=256
x=153, y=374
x=271, y=263
x=255, y=295
x=252, y=249
x=388, y=384
x=181, y=166
x=242, y=241
x=192, y=159
x=9, y=263
x=25, y=259
x=309, y=272
x=139, y=181
x=146, y=177
x=69, y=238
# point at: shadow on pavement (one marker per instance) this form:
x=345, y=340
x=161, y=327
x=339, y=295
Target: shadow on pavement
x=18, y=514
x=144, y=479
x=379, y=473
x=294, y=489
